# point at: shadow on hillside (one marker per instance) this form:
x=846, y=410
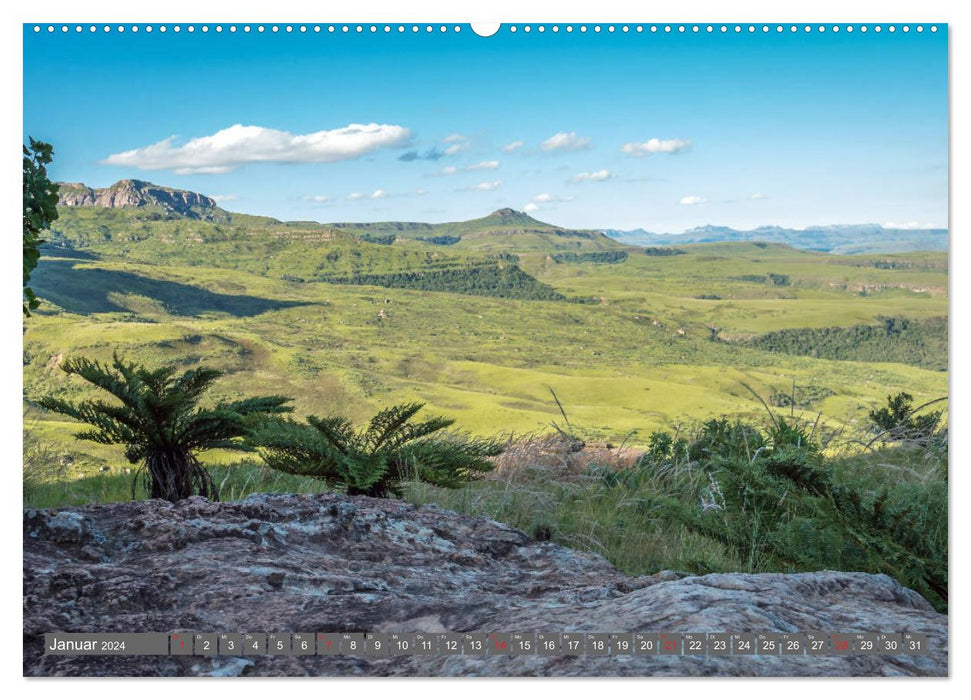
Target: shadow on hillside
x=54, y=251
x=85, y=290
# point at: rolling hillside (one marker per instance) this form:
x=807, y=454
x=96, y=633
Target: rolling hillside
x=347, y=325
x=505, y=230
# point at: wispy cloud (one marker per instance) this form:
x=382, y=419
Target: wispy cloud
x=758, y=195
x=652, y=146
x=513, y=146
x=454, y=138
x=319, y=198
x=565, y=141
x=692, y=199
x=485, y=186
x=597, y=176
x=447, y=170
x=457, y=148
x=544, y=198
x=484, y=165
x=239, y=145
x=430, y=154
x=375, y=195
x=220, y=198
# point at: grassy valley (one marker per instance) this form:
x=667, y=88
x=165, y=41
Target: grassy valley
x=480, y=329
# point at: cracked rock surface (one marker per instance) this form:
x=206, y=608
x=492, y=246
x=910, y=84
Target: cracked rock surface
x=332, y=563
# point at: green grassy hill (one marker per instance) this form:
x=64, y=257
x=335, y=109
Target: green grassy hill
x=479, y=329
x=505, y=230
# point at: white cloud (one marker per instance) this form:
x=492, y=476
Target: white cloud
x=449, y=170
x=419, y=192
x=692, y=199
x=597, y=176
x=223, y=197
x=652, y=146
x=758, y=195
x=238, y=145
x=379, y=194
x=356, y=195
x=453, y=138
x=565, y=141
x=456, y=148
x=320, y=198
x=544, y=198
x=484, y=165
x=513, y=146
x=486, y=186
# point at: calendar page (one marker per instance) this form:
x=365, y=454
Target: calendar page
x=517, y=349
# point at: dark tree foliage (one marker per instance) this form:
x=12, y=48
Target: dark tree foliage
x=488, y=280
x=898, y=420
x=40, y=209
x=659, y=252
x=439, y=240
x=378, y=238
x=772, y=278
x=374, y=461
x=157, y=420
x=915, y=342
x=758, y=279
x=602, y=256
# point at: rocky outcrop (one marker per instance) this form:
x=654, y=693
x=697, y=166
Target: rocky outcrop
x=136, y=193
x=333, y=563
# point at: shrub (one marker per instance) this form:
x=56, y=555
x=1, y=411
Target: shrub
x=374, y=461
x=726, y=439
x=898, y=420
x=159, y=424
x=776, y=501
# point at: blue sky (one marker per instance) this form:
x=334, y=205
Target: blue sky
x=653, y=130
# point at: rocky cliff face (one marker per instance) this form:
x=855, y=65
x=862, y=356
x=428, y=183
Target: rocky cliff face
x=333, y=563
x=136, y=193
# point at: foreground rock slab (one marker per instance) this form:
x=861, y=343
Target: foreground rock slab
x=330, y=563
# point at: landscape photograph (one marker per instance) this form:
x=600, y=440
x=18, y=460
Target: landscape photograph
x=568, y=350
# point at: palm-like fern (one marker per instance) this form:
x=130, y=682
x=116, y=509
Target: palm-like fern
x=159, y=423
x=375, y=460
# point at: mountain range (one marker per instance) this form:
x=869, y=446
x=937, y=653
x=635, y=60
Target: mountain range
x=845, y=239
x=138, y=193
x=507, y=229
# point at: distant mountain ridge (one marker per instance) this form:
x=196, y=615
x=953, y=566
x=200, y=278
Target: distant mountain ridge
x=839, y=239
x=516, y=231
x=136, y=194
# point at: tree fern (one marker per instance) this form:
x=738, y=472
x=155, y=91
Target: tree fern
x=375, y=460
x=157, y=420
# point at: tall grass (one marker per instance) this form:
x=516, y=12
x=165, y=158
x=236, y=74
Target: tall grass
x=723, y=496
x=235, y=481
x=575, y=498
